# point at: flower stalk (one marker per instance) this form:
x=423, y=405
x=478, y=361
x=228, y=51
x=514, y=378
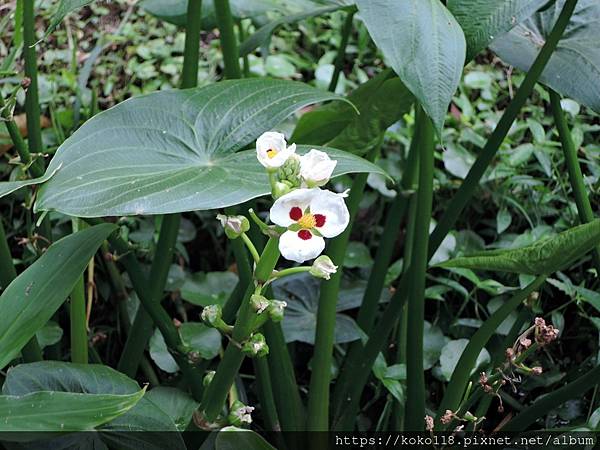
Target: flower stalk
x=229, y=44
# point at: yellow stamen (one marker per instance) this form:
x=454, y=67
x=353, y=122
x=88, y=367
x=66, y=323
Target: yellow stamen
x=271, y=153
x=307, y=221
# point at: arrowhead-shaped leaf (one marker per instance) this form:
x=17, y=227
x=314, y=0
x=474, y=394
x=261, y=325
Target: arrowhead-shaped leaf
x=482, y=20
x=424, y=45
x=574, y=68
x=57, y=396
x=35, y=295
x=541, y=258
x=174, y=151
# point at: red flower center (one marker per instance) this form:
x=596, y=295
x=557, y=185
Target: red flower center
x=295, y=213
x=305, y=235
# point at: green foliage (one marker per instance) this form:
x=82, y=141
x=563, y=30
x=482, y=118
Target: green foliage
x=429, y=58
x=35, y=295
x=545, y=256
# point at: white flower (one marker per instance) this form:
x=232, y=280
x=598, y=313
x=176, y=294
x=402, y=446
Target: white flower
x=323, y=267
x=316, y=168
x=309, y=215
x=272, y=150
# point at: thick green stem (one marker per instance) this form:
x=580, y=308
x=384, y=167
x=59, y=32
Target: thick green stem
x=17, y=139
x=265, y=394
x=79, y=336
x=32, y=103
x=415, y=379
x=285, y=389
x=216, y=393
x=189, y=73
x=370, y=303
x=31, y=351
x=341, y=55
x=575, y=176
x=229, y=44
x=471, y=182
x=318, y=399
x=142, y=326
x=462, y=372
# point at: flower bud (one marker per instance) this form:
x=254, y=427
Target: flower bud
x=289, y=173
x=276, y=310
x=212, y=316
x=323, y=267
x=255, y=346
x=316, y=168
x=240, y=414
x=280, y=188
x=234, y=226
x=208, y=378
x=259, y=303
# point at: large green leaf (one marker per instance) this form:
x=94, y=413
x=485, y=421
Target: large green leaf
x=482, y=20
x=57, y=396
x=35, y=295
x=424, y=45
x=173, y=151
x=574, y=68
x=62, y=411
x=233, y=438
x=381, y=102
x=543, y=257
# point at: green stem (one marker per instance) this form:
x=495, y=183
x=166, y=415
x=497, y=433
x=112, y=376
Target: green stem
x=216, y=393
x=291, y=271
x=251, y=248
x=17, y=139
x=229, y=44
x=370, y=303
x=189, y=73
x=575, y=176
x=142, y=325
x=471, y=182
x=341, y=55
x=318, y=399
x=79, y=335
x=285, y=390
x=265, y=394
x=32, y=103
x=31, y=351
x=415, y=379
x=462, y=371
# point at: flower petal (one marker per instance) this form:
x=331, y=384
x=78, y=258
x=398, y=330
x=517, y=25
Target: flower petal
x=295, y=248
x=333, y=207
x=271, y=140
x=300, y=198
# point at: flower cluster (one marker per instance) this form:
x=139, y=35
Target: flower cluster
x=307, y=213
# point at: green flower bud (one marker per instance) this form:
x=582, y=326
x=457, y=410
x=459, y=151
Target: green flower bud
x=280, y=188
x=323, y=267
x=212, y=316
x=208, y=378
x=259, y=303
x=289, y=172
x=240, y=414
x=233, y=226
x=276, y=310
x=255, y=346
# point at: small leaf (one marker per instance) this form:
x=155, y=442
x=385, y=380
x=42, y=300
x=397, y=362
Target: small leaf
x=65, y=7
x=232, y=438
x=545, y=256
x=176, y=403
x=433, y=342
x=424, y=45
x=208, y=289
x=503, y=220
x=357, y=255
x=36, y=294
x=49, y=334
